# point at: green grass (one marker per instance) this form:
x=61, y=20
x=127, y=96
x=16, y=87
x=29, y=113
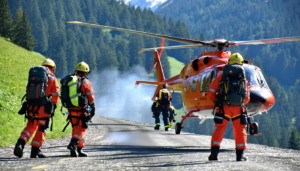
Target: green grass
x=176, y=66
x=180, y=112
x=15, y=63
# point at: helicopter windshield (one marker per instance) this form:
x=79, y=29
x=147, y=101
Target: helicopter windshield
x=255, y=77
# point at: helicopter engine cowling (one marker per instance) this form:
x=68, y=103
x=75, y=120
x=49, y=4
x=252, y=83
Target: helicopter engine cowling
x=199, y=63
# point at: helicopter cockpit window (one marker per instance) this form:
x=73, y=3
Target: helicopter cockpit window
x=202, y=85
x=194, y=84
x=262, y=82
x=251, y=76
x=207, y=81
x=213, y=76
x=188, y=85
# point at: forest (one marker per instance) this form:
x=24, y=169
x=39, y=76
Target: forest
x=252, y=20
x=196, y=19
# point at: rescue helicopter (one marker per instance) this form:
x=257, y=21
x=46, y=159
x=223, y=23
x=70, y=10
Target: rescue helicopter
x=196, y=76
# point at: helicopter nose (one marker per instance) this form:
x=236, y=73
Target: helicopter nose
x=257, y=99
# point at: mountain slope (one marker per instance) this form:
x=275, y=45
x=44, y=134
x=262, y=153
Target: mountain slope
x=15, y=63
x=153, y=4
x=246, y=20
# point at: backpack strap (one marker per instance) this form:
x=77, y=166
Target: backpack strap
x=69, y=119
x=33, y=113
x=23, y=98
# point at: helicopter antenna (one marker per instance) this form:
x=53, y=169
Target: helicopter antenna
x=249, y=59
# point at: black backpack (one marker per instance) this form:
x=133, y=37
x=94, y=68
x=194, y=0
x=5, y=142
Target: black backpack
x=232, y=87
x=164, y=97
x=71, y=94
x=36, y=87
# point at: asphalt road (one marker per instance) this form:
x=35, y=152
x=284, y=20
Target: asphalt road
x=115, y=144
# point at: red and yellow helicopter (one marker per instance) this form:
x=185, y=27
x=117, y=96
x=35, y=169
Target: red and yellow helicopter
x=195, y=77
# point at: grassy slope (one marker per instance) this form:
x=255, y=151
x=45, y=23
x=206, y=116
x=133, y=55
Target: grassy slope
x=15, y=63
x=176, y=67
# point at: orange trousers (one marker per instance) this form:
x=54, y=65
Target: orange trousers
x=38, y=126
x=78, y=130
x=231, y=112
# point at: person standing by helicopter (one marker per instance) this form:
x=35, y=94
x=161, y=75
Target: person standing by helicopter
x=164, y=101
x=230, y=93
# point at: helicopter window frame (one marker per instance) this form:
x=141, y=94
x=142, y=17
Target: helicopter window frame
x=252, y=76
x=207, y=79
x=213, y=76
x=202, y=83
x=194, y=84
x=188, y=85
x=262, y=79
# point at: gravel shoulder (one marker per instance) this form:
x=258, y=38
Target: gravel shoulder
x=116, y=144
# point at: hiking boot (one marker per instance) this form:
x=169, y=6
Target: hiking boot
x=73, y=147
x=156, y=127
x=81, y=153
x=240, y=155
x=41, y=155
x=36, y=153
x=214, y=153
x=166, y=128
x=18, y=151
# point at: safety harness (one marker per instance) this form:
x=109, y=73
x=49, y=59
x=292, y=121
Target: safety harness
x=72, y=97
x=26, y=109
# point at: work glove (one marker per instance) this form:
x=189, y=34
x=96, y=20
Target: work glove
x=93, y=111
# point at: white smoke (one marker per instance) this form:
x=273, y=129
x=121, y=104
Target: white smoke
x=117, y=97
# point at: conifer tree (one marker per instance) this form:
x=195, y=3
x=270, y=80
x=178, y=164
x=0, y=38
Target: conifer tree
x=22, y=31
x=294, y=141
x=136, y=43
x=122, y=61
x=34, y=15
x=61, y=60
x=165, y=64
x=71, y=57
x=5, y=19
x=284, y=138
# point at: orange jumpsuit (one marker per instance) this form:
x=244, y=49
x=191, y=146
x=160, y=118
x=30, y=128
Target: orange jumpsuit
x=78, y=130
x=230, y=112
x=40, y=126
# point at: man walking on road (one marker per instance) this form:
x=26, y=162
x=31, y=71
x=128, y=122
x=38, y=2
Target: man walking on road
x=41, y=98
x=164, y=101
x=77, y=93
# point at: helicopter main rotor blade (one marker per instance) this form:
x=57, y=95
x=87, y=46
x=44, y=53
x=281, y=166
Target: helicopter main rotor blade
x=267, y=41
x=176, y=39
x=171, y=47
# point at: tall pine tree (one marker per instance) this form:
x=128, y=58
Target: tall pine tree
x=22, y=31
x=294, y=142
x=5, y=19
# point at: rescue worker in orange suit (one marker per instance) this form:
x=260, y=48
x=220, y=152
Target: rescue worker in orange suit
x=154, y=108
x=79, y=126
x=171, y=115
x=39, y=120
x=164, y=101
x=235, y=113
